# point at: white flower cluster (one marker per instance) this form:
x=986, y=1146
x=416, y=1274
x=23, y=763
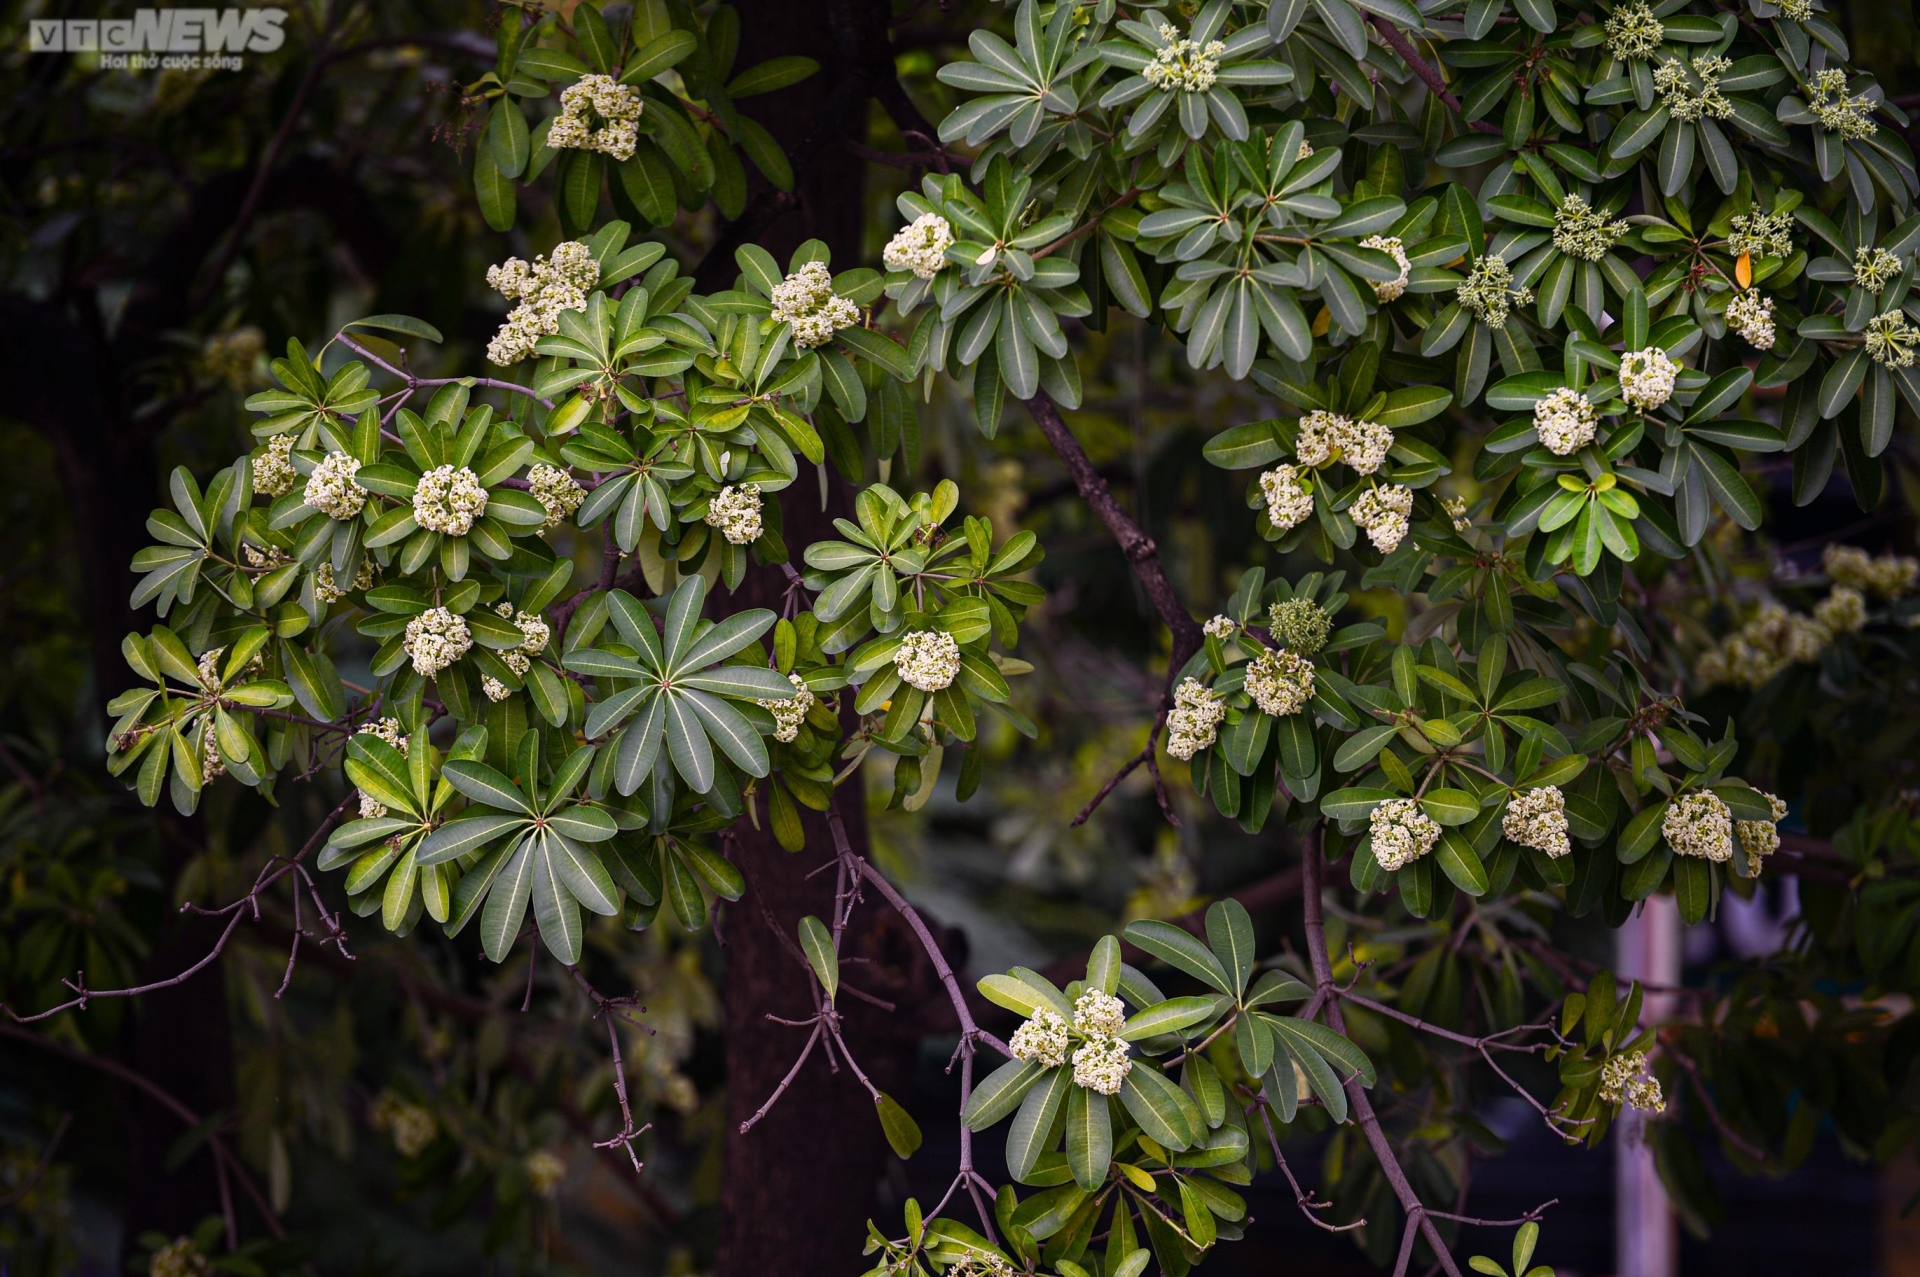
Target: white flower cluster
x=736, y=512
x=544, y=289
x=1565, y=421
x=1646, y=378
x=1193, y=723
x=207, y=668
x=1387, y=290
x=1385, y=514
x=1699, y=824
x=273, y=472
x=1280, y=683
x=331, y=488
x=920, y=246
x=1402, y=833
x=327, y=591
x=1102, y=1064
x=1041, y=1040
x=1300, y=625
x=555, y=489
x=1774, y=639
x=1182, y=64
x=436, y=639
x=602, y=101
x=1096, y=1012
x=806, y=300
x=1633, y=32
x=1759, y=234
x=544, y=1170
x=1760, y=838
x=1843, y=611
x=1580, y=232
x=179, y=1258
x=1889, y=575
x=1891, y=339
x=212, y=766
x=1797, y=10
x=448, y=500
x=1288, y=501
x=1221, y=627
x=1456, y=508
x=535, y=634
x=1751, y=315
x=1325, y=437
x=411, y=1126
x=1850, y=117
x=927, y=659
x=788, y=715
x=1537, y=818
x=1624, y=1080
x=388, y=730
x=1489, y=294
x=1875, y=268
x=1685, y=102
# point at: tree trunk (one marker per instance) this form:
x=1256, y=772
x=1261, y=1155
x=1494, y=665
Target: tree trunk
x=798, y=1188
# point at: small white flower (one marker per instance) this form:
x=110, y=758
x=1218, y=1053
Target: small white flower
x=927, y=659
x=1624, y=1080
x=273, y=472
x=788, y=715
x=555, y=489
x=1184, y=65
x=1098, y=1013
x=1363, y=444
x=331, y=488
x=1288, y=501
x=1489, y=294
x=1699, y=824
x=1760, y=838
x=1387, y=290
x=327, y=591
x=1402, y=833
x=1751, y=315
x=436, y=639
x=598, y=113
x=1565, y=422
x=544, y=289
x=1041, y=1040
x=1385, y=514
x=1537, y=818
x=1843, y=611
x=1891, y=340
x=1194, y=721
x=448, y=500
x=1102, y=1064
x=388, y=730
x=1319, y=435
x=736, y=512
x=806, y=300
x=920, y=246
x=1646, y=378
x=1220, y=627
x=1580, y=232
x=1280, y=683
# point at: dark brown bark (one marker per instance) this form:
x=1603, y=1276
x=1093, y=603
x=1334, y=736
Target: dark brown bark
x=798, y=1188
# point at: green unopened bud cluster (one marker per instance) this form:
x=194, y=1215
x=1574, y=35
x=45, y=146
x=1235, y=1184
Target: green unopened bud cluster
x=1690, y=91
x=1183, y=64
x=1579, y=231
x=1633, y=32
x=1489, y=294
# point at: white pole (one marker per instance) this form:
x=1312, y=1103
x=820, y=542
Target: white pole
x=1645, y=1241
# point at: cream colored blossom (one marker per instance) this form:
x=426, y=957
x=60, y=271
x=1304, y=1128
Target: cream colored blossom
x=1699, y=824
x=598, y=113
x=1280, y=683
x=1387, y=290
x=1096, y=1012
x=1101, y=1064
x=1537, y=818
x=1402, y=833
x=273, y=472
x=436, y=639
x=1194, y=721
x=1624, y=1079
x=556, y=490
x=1565, y=422
x=1843, y=611
x=1760, y=838
x=1384, y=513
x=927, y=659
x=1751, y=315
x=920, y=246
x=788, y=715
x=1289, y=504
x=736, y=512
x=806, y=300
x=1182, y=64
x=1647, y=377
x=1041, y=1040
x=331, y=488
x=448, y=499
x=544, y=289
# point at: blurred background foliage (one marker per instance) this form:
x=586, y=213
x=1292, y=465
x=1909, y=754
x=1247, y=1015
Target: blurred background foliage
x=417, y=1110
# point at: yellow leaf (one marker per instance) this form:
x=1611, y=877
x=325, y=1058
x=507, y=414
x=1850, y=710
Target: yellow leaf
x=1322, y=321
x=1743, y=270
x=1141, y=1180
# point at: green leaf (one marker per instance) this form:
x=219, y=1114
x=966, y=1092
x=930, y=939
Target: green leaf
x=817, y=943
x=1181, y=950
x=999, y=1093
x=774, y=73
x=1230, y=933
x=1167, y=1017
x=1162, y=1109
x=903, y=1133
x=1027, y=1138
x=1089, y=1137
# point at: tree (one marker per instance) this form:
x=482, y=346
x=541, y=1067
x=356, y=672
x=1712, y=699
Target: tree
x=1688, y=244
